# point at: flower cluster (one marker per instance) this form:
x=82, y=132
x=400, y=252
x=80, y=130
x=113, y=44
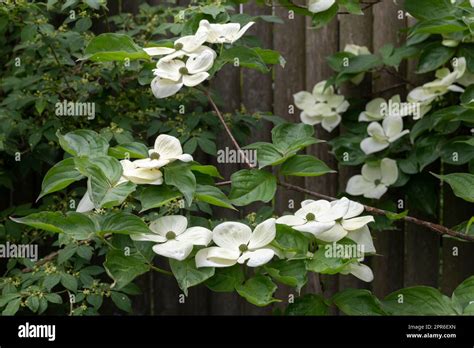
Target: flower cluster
x=188, y=62
x=444, y=83
x=235, y=242
x=145, y=171
x=323, y=106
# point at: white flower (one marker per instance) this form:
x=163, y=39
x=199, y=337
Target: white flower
x=472, y=2
x=237, y=243
x=317, y=6
x=332, y=221
x=172, y=75
x=308, y=218
x=321, y=106
x=174, y=239
x=379, y=108
x=167, y=149
x=359, y=270
x=184, y=46
x=382, y=136
x=223, y=33
x=444, y=83
x=374, y=181
x=140, y=175
x=357, y=51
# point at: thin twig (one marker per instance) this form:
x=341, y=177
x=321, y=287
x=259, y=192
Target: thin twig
x=56, y=59
x=227, y=129
x=432, y=226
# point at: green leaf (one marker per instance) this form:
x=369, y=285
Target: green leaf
x=129, y=150
x=325, y=263
x=291, y=241
x=464, y=293
x=114, y=47
x=418, y=300
x=267, y=154
x=439, y=26
x=429, y=9
x=187, y=275
x=66, y=253
x=357, y=302
x=309, y=304
x=241, y=56
x=61, y=175
x=122, y=301
x=292, y=273
x=251, y=185
x=5, y=298
x=51, y=280
x=207, y=170
x=212, y=195
x=33, y=303
x=226, y=279
x=124, y=269
x=157, y=196
x=12, y=307
x=362, y=63
x=434, y=57
x=305, y=165
x=467, y=98
x=53, y=298
x=258, y=290
x=69, y=281
x=123, y=223
x=462, y=184
x=48, y=221
x=83, y=142
x=321, y=19
x=180, y=176
x=288, y=136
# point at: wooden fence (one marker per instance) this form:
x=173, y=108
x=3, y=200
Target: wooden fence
x=408, y=256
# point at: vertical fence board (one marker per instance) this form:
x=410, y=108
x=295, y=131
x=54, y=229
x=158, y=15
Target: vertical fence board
x=257, y=96
x=289, y=40
x=420, y=243
x=388, y=267
x=320, y=44
x=354, y=30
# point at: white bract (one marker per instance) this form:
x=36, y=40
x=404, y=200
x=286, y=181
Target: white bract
x=444, y=83
x=174, y=239
x=237, y=243
x=317, y=6
x=378, y=108
x=140, y=175
x=357, y=51
x=167, y=149
x=223, y=33
x=359, y=270
x=184, y=46
x=374, y=179
x=321, y=106
x=381, y=136
x=172, y=75
x=332, y=221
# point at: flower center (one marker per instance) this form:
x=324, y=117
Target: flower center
x=310, y=217
x=183, y=71
x=155, y=156
x=243, y=247
x=377, y=182
x=178, y=46
x=170, y=235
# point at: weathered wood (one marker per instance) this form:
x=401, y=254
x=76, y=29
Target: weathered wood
x=289, y=40
x=320, y=44
x=354, y=30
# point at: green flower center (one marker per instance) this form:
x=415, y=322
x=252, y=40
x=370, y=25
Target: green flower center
x=183, y=71
x=243, y=247
x=170, y=235
x=178, y=46
x=310, y=217
x=377, y=182
x=155, y=156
